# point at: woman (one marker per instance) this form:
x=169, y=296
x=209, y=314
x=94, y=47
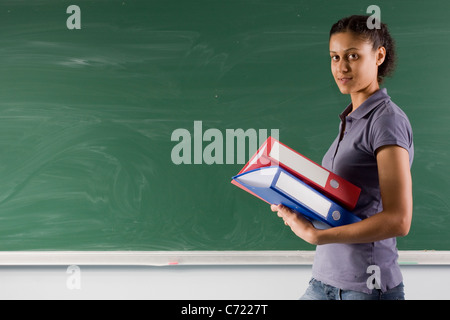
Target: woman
x=374, y=150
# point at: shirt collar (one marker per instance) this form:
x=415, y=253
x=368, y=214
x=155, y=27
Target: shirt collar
x=372, y=102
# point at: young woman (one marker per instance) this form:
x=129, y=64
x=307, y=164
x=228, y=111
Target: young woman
x=373, y=150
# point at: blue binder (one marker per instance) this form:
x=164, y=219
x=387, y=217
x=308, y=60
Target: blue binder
x=277, y=186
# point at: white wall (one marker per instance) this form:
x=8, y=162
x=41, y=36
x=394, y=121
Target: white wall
x=192, y=282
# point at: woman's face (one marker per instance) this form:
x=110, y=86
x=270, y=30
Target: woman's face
x=354, y=64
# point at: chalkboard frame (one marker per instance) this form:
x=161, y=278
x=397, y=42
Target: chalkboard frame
x=174, y=258
x=293, y=30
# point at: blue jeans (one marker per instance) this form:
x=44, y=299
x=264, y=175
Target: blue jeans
x=318, y=290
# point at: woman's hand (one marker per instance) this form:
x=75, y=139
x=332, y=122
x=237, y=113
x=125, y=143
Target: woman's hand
x=298, y=224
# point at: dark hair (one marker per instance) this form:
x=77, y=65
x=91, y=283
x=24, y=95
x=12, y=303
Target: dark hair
x=378, y=37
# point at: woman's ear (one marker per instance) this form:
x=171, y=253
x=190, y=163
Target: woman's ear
x=381, y=55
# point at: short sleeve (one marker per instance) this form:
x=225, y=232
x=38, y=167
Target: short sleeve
x=392, y=129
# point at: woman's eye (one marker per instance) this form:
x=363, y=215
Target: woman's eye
x=335, y=58
x=353, y=56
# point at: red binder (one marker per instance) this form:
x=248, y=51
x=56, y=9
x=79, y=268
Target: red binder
x=272, y=152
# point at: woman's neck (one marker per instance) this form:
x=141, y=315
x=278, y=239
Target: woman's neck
x=359, y=97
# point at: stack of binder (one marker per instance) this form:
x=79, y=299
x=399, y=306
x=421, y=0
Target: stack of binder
x=278, y=174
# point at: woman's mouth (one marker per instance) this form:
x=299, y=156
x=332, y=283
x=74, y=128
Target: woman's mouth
x=344, y=80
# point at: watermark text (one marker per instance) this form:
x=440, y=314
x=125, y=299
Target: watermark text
x=219, y=148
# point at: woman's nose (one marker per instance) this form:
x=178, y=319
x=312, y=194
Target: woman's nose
x=343, y=66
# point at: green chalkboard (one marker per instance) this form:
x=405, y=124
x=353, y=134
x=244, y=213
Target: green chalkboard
x=89, y=117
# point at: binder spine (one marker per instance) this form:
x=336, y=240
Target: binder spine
x=336, y=215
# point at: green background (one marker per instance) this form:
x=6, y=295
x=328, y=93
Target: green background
x=86, y=117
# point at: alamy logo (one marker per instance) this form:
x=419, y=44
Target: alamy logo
x=74, y=279
x=74, y=21
x=374, y=280
x=190, y=148
x=373, y=22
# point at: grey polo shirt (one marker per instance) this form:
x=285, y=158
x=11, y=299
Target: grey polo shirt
x=376, y=123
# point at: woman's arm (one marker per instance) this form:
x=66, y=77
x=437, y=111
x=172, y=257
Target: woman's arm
x=395, y=219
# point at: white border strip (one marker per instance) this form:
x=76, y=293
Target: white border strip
x=168, y=258
x=155, y=258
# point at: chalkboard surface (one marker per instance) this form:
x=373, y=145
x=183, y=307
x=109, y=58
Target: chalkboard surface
x=92, y=119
